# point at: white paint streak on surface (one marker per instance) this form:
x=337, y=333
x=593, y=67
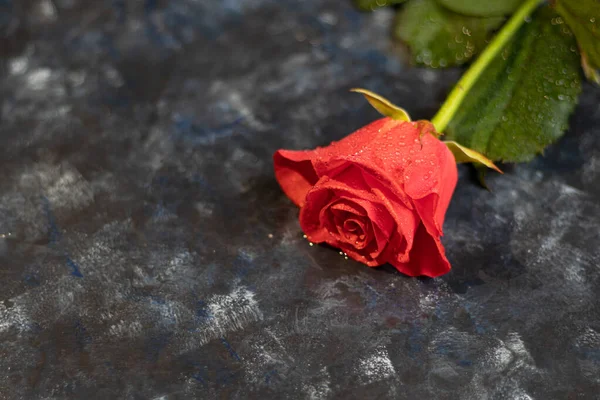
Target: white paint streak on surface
x=12, y=317
x=232, y=312
x=131, y=329
x=39, y=79
x=321, y=389
x=501, y=371
x=226, y=313
x=18, y=65
x=376, y=367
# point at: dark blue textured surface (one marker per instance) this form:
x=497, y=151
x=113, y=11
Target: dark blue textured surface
x=148, y=253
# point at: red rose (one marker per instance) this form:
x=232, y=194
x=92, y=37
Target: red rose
x=380, y=194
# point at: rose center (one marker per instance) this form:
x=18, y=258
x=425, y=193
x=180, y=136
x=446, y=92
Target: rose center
x=354, y=230
x=353, y=226
x=350, y=224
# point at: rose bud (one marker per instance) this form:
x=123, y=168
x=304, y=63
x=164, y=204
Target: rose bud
x=380, y=195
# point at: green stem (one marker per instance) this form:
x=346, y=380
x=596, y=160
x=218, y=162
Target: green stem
x=466, y=82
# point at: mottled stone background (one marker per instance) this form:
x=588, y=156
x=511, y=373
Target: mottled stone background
x=146, y=251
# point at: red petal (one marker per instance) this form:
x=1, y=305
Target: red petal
x=427, y=257
x=310, y=216
x=431, y=183
x=406, y=225
x=345, y=205
x=295, y=173
x=447, y=186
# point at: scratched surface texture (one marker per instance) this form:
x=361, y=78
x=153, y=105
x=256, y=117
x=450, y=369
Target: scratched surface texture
x=146, y=251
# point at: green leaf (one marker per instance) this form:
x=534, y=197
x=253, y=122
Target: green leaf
x=465, y=155
x=481, y=8
x=383, y=105
x=438, y=37
x=370, y=5
x=583, y=17
x=522, y=101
